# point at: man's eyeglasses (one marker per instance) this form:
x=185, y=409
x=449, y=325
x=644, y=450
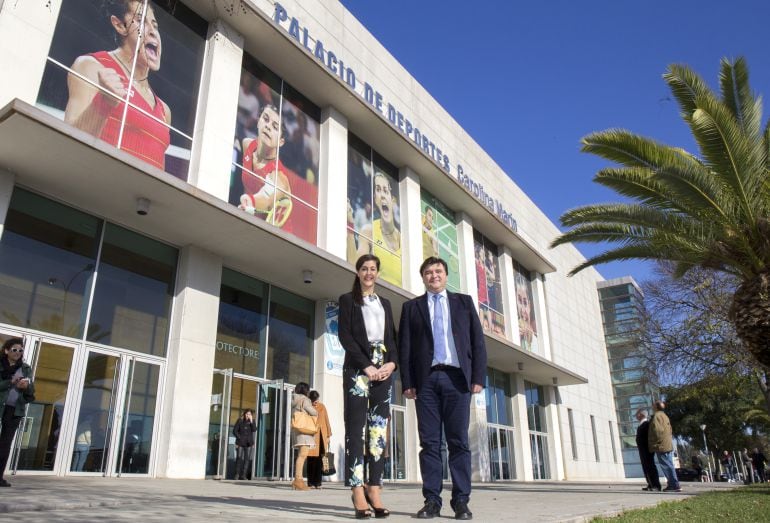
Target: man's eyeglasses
x=14, y=349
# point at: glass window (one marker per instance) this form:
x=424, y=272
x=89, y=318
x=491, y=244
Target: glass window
x=536, y=407
x=439, y=236
x=100, y=48
x=571, y=418
x=498, y=395
x=525, y=309
x=47, y=259
x=290, y=337
x=489, y=285
x=374, y=216
x=612, y=440
x=276, y=152
x=596, y=439
x=242, y=323
x=134, y=289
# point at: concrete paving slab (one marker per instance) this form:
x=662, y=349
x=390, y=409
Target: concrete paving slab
x=85, y=499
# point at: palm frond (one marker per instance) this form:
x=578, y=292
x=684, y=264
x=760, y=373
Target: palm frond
x=626, y=148
x=686, y=86
x=624, y=253
x=737, y=95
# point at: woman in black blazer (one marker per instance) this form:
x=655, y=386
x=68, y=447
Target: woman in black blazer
x=368, y=334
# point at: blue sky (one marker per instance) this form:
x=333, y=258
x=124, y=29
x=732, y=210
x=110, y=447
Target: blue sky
x=528, y=79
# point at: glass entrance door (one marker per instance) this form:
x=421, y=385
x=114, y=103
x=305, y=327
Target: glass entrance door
x=37, y=445
x=273, y=438
x=219, y=426
x=116, y=418
x=395, y=461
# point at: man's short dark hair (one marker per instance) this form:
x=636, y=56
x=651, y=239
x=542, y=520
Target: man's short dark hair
x=433, y=260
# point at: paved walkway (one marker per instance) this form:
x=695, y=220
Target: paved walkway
x=82, y=499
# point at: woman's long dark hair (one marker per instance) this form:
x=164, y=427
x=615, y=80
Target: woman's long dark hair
x=302, y=388
x=358, y=295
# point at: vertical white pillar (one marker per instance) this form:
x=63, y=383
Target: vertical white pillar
x=212, y=152
x=411, y=230
x=478, y=439
x=333, y=183
x=509, y=297
x=521, y=431
x=540, y=305
x=187, y=389
x=556, y=450
x=467, y=257
x=26, y=31
x=328, y=382
x=6, y=190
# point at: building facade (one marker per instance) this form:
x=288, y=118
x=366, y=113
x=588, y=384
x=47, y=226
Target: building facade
x=634, y=383
x=184, y=187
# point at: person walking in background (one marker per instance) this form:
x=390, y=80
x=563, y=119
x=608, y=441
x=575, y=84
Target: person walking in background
x=748, y=469
x=443, y=361
x=82, y=444
x=661, y=442
x=367, y=333
x=759, y=461
x=16, y=391
x=302, y=442
x=646, y=457
x=244, y=444
x=727, y=465
x=322, y=437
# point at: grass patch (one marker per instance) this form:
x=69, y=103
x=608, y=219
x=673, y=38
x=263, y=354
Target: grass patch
x=750, y=504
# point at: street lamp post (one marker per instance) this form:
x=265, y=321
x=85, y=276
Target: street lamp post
x=706, y=448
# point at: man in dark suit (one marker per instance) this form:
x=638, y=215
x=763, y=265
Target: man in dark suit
x=647, y=458
x=443, y=360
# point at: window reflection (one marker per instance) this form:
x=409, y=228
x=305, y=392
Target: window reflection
x=47, y=257
x=133, y=293
x=290, y=343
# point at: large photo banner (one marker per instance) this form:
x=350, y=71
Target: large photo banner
x=489, y=286
x=127, y=72
x=525, y=309
x=439, y=237
x=276, y=153
x=374, y=217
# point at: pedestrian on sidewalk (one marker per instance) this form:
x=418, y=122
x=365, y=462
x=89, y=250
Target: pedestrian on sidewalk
x=322, y=438
x=661, y=442
x=16, y=391
x=244, y=444
x=647, y=458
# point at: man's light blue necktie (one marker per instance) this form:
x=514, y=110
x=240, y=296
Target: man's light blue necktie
x=439, y=342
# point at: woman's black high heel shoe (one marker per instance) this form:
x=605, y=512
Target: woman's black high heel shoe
x=360, y=514
x=378, y=512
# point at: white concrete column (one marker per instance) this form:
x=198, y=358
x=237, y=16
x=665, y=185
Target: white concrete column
x=521, y=431
x=478, y=439
x=509, y=297
x=187, y=389
x=555, y=443
x=540, y=305
x=411, y=230
x=212, y=151
x=26, y=31
x=333, y=183
x=6, y=190
x=327, y=380
x=467, y=257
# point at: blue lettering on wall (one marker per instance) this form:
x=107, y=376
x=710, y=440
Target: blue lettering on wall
x=375, y=99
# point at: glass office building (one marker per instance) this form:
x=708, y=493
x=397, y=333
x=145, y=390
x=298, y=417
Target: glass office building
x=633, y=382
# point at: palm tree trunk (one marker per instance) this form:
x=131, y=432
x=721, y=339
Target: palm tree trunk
x=750, y=312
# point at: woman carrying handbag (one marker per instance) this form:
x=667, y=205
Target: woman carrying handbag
x=322, y=437
x=302, y=442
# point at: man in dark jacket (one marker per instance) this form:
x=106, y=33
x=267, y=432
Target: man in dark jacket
x=647, y=458
x=244, y=444
x=760, y=462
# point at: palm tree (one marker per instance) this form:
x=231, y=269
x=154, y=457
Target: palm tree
x=711, y=210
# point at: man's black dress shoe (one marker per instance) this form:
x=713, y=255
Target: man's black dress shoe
x=462, y=511
x=432, y=509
